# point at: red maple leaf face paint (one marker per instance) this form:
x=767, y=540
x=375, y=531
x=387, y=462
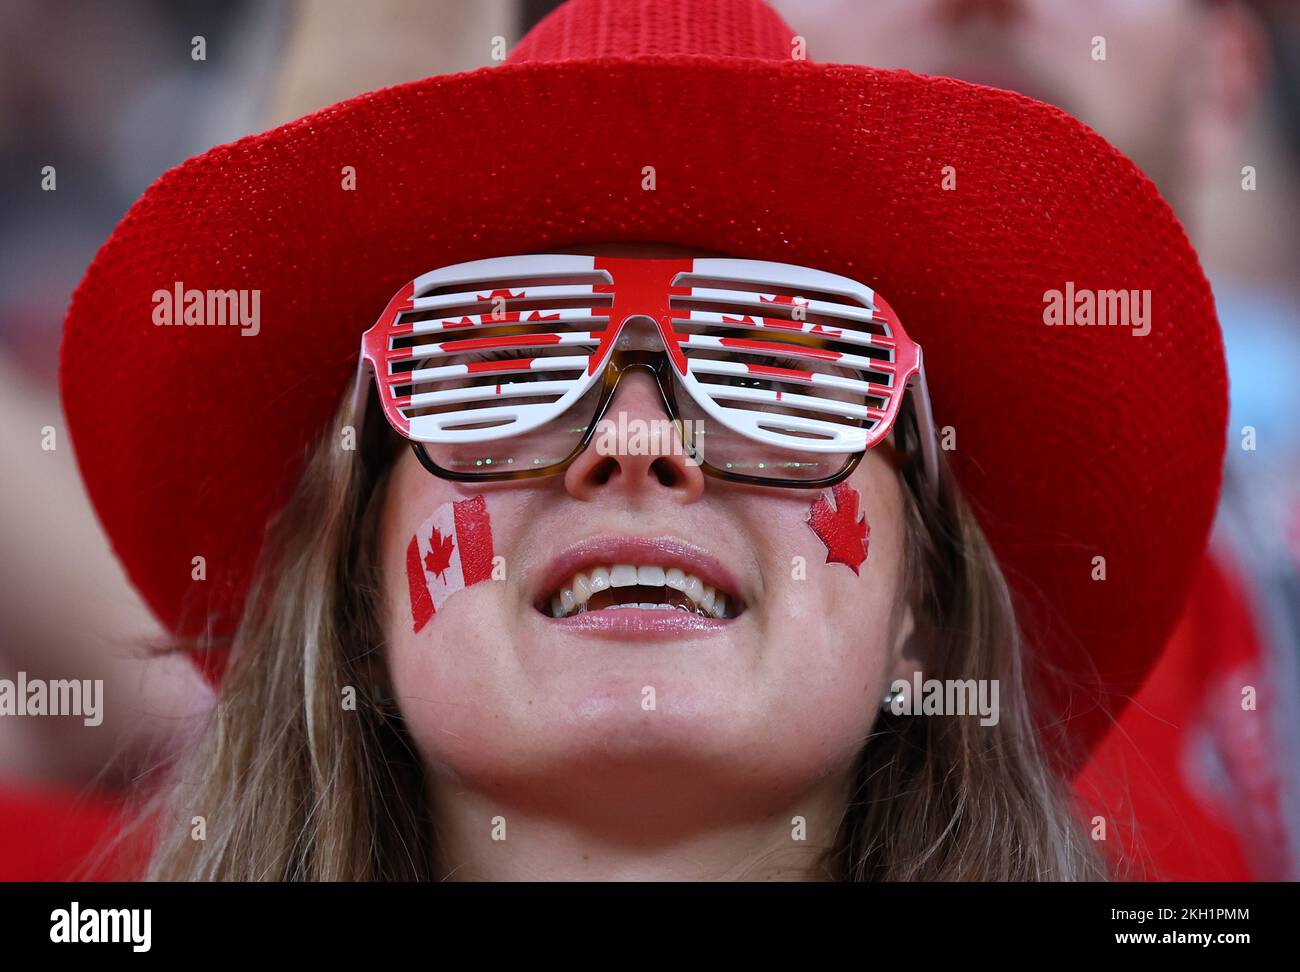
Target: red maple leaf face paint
x=846, y=537
x=438, y=559
x=450, y=551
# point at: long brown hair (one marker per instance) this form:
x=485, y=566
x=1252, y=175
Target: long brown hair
x=305, y=770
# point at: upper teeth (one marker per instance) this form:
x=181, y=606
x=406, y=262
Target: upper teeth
x=578, y=589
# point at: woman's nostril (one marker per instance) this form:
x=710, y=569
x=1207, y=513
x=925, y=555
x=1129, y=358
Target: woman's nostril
x=667, y=472
x=603, y=471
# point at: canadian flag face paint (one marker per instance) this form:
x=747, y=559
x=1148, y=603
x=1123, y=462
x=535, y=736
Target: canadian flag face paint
x=450, y=551
x=837, y=525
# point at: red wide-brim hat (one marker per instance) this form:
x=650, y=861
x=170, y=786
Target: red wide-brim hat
x=962, y=204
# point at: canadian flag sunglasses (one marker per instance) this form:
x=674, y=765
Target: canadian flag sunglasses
x=771, y=374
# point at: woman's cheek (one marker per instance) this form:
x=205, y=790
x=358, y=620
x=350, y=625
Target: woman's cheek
x=825, y=638
x=831, y=599
x=443, y=567
x=441, y=555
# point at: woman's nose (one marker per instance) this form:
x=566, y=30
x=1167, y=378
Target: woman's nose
x=636, y=450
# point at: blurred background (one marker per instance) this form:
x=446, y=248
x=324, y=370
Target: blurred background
x=1203, y=94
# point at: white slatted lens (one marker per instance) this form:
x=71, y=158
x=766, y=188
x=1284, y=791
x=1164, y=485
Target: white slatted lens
x=495, y=348
x=791, y=370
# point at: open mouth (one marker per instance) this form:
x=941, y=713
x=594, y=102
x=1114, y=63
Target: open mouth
x=658, y=578
x=644, y=587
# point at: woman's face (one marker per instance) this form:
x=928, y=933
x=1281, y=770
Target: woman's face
x=622, y=709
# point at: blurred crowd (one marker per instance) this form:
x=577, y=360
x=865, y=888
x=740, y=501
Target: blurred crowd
x=1203, y=94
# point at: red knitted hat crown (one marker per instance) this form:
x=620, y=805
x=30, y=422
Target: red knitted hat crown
x=966, y=205
x=588, y=29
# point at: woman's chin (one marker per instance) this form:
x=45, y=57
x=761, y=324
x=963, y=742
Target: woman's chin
x=619, y=769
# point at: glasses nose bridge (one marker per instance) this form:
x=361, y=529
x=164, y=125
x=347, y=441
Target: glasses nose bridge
x=640, y=331
x=638, y=344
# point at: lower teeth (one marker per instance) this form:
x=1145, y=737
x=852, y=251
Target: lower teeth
x=642, y=606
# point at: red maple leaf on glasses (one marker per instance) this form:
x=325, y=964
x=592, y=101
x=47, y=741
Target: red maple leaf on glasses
x=838, y=526
x=438, y=559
